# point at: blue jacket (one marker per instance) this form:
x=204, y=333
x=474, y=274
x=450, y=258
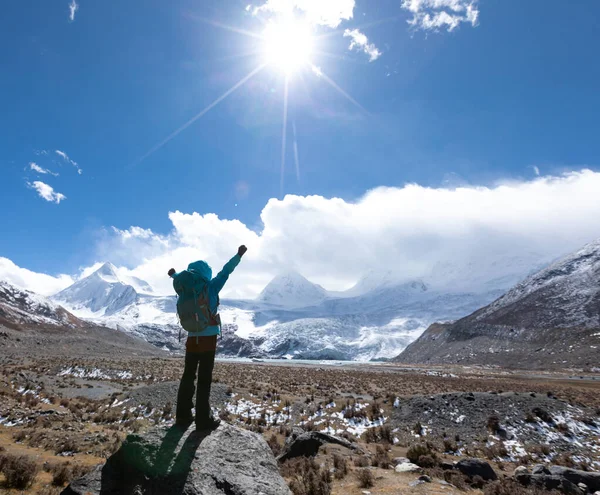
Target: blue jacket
x=215, y=285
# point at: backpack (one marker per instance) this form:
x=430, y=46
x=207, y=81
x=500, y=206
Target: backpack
x=193, y=305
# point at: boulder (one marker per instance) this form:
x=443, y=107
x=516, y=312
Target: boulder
x=540, y=469
x=228, y=461
x=476, y=467
x=590, y=479
x=407, y=467
x=307, y=444
x=549, y=482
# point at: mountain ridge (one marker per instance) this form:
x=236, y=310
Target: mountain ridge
x=550, y=318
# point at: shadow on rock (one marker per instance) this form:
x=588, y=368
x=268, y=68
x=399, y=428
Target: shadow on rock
x=228, y=461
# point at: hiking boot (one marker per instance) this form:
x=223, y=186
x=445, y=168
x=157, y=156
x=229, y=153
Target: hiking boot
x=208, y=424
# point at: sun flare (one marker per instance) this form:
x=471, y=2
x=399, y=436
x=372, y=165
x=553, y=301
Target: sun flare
x=288, y=45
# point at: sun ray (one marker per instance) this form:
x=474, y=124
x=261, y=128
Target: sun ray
x=284, y=134
x=319, y=72
x=227, y=27
x=200, y=114
x=296, y=158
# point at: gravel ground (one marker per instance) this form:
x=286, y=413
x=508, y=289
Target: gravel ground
x=159, y=394
x=522, y=419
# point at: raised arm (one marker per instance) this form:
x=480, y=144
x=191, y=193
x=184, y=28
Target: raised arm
x=218, y=282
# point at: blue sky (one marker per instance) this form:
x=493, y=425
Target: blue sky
x=486, y=101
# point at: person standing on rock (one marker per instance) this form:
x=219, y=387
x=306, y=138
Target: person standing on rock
x=197, y=308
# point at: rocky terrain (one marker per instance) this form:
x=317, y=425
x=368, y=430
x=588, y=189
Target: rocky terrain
x=551, y=319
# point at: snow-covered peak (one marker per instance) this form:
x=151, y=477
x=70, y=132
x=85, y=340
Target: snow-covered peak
x=292, y=290
x=108, y=273
x=100, y=294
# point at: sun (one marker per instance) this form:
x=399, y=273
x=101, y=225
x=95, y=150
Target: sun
x=288, y=45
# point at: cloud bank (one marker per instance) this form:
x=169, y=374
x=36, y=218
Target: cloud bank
x=410, y=230
x=37, y=282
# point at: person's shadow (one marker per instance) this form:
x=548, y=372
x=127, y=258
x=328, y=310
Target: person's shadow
x=166, y=475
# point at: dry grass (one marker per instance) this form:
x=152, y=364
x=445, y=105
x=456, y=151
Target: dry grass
x=19, y=471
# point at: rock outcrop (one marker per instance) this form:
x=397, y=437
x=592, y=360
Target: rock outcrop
x=307, y=444
x=228, y=461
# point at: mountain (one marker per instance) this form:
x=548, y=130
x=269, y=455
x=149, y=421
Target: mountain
x=551, y=319
x=31, y=324
x=292, y=290
x=100, y=294
x=292, y=317
x=20, y=308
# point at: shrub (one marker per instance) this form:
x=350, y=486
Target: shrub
x=61, y=474
x=415, y=452
x=382, y=458
x=273, y=442
x=365, y=478
x=20, y=471
x=341, y=466
x=307, y=478
x=493, y=424
x=362, y=461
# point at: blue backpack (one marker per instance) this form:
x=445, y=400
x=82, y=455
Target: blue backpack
x=193, y=306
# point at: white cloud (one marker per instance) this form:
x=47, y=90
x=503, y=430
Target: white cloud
x=360, y=42
x=73, y=8
x=40, y=170
x=66, y=158
x=536, y=169
x=410, y=230
x=432, y=15
x=47, y=192
x=330, y=13
x=36, y=282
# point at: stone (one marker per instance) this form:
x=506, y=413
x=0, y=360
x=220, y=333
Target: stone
x=229, y=461
x=520, y=470
x=307, y=444
x=407, y=467
x=399, y=460
x=549, y=482
x=476, y=467
x=425, y=478
x=590, y=479
x=540, y=469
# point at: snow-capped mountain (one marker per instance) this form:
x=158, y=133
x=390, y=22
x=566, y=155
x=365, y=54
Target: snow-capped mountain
x=22, y=307
x=292, y=290
x=100, y=294
x=291, y=318
x=552, y=318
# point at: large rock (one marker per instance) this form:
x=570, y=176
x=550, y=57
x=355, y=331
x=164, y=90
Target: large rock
x=549, y=482
x=228, y=461
x=590, y=479
x=476, y=467
x=307, y=444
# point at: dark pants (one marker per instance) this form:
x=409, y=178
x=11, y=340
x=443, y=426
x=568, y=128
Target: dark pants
x=202, y=363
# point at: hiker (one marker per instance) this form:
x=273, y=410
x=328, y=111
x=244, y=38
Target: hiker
x=197, y=308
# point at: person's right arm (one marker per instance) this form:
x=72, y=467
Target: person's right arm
x=218, y=282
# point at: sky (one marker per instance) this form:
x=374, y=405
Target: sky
x=333, y=138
